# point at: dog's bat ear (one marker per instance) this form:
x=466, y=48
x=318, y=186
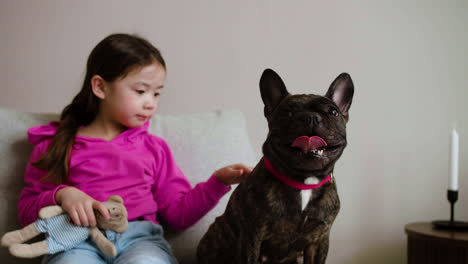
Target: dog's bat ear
x=341, y=92
x=272, y=89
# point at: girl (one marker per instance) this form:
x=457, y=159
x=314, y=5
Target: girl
x=101, y=147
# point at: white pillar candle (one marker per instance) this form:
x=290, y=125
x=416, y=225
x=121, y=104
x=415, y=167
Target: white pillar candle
x=453, y=180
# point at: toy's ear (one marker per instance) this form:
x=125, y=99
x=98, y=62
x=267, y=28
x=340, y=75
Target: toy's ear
x=115, y=198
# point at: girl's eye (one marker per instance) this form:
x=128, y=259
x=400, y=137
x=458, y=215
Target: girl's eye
x=333, y=111
x=140, y=91
x=156, y=94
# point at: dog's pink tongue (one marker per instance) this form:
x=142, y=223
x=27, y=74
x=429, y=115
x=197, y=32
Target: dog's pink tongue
x=309, y=143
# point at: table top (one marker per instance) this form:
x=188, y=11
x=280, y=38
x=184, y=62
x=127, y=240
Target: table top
x=426, y=229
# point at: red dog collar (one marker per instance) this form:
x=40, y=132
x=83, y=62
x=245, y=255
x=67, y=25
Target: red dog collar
x=293, y=183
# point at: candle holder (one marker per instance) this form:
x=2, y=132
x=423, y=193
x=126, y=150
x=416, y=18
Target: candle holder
x=452, y=197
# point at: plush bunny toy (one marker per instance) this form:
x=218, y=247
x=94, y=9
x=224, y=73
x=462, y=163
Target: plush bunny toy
x=63, y=235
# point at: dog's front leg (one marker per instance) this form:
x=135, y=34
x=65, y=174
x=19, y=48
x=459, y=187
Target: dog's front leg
x=249, y=245
x=316, y=253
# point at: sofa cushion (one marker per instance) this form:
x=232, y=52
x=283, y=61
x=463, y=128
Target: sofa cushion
x=201, y=143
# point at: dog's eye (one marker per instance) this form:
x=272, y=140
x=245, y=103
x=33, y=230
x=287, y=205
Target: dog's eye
x=333, y=111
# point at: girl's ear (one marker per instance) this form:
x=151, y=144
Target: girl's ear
x=98, y=85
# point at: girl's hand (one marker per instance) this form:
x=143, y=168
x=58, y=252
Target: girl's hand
x=233, y=174
x=79, y=206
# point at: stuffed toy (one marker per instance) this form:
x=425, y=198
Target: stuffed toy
x=62, y=235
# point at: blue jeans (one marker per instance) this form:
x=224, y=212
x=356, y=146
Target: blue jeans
x=142, y=243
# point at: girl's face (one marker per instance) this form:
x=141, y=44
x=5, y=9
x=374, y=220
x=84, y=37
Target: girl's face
x=133, y=100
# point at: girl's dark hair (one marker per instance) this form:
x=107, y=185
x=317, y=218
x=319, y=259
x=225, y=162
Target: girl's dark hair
x=112, y=58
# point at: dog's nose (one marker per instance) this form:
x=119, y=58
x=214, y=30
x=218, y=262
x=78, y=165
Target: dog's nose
x=313, y=119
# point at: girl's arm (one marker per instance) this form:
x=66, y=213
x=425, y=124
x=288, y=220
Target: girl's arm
x=36, y=194
x=179, y=204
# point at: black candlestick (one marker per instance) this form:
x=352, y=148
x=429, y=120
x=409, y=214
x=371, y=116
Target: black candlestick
x=452, y=197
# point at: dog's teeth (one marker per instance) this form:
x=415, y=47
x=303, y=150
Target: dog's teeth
x=317, y=152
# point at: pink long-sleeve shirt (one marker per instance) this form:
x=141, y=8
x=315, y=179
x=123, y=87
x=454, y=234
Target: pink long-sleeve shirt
x=135, y=165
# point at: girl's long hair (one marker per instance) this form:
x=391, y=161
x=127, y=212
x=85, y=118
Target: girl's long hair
x=112, y=58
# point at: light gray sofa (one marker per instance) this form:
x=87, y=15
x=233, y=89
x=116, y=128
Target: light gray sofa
x=201, y=143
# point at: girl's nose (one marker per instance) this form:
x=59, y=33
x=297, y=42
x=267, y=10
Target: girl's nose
x=149, y=106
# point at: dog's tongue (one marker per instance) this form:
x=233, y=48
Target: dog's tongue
x=308, y=144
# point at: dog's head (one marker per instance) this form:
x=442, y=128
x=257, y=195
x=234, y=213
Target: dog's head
x=307, y=132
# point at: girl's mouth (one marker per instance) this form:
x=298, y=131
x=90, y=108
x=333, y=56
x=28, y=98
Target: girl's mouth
x=141, y=117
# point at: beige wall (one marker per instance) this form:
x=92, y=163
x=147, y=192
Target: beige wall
x=408, y=62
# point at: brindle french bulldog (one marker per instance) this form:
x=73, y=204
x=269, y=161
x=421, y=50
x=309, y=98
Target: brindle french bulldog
x=283, y=212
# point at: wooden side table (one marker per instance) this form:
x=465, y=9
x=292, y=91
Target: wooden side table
x=427, y=245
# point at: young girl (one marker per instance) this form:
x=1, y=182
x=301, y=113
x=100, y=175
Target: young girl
x=101, y=147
